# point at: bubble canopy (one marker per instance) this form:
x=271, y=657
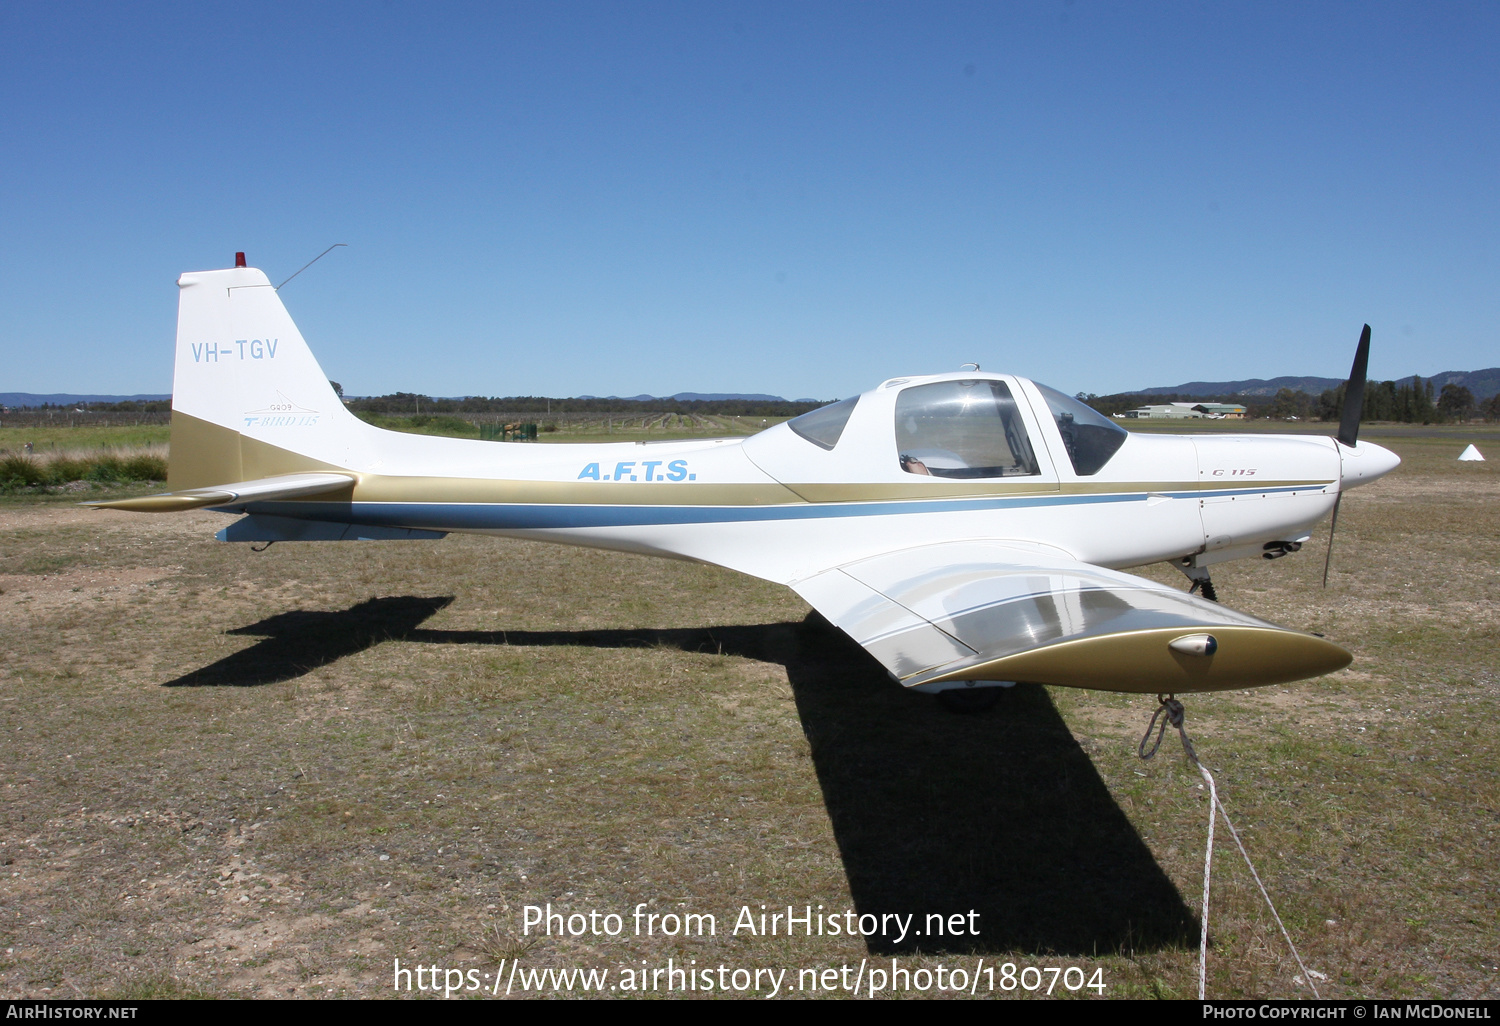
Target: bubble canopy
x=1090, y=437
x=824, y=426
x=972, y=428
x=964, y=429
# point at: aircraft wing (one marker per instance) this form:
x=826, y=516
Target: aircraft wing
x=266, y=489
x=994, y=611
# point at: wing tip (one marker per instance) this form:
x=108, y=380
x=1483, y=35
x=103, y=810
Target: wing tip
x=1144, y=662
x=167, y=502
x=267, y=489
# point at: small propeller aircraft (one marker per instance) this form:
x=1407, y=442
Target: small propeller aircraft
x=967, y=529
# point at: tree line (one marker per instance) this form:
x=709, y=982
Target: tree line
x=1412, y=402
x=542, y=406
x=398, y=403
x=1408, y=402
x=125, y=406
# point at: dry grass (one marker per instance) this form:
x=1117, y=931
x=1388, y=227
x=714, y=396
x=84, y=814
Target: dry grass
x=81, y=472
x=231, y=773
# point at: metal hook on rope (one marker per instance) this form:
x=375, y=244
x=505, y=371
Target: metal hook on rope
x=1170, y=711
x=1175, y=714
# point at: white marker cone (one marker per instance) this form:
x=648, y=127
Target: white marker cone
x=1471, y=453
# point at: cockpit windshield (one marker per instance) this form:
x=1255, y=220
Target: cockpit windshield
x=824, y=426
x=1090, y=437
x=962, y=429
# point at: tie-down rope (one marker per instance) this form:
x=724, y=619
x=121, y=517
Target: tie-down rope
x=1174, y=711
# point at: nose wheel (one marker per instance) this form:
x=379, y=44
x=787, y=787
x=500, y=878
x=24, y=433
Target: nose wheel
x=1201, y=581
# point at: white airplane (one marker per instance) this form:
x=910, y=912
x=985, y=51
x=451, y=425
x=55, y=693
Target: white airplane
x=966, y=529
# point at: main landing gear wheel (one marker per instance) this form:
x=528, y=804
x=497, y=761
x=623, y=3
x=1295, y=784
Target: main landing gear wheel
x=969, y=700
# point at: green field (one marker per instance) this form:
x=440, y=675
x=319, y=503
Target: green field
x=585, y=428
x=594, y=428
x=230, y=773
x=1477, y=431
x=64, y=439
x=91, y=454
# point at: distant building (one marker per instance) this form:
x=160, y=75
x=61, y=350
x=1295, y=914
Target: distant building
x=1187, y=411
x=1228, y=411
x=1165, y=411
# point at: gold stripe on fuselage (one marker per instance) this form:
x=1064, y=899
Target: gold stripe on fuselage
x=940, y=488
x=205, y=455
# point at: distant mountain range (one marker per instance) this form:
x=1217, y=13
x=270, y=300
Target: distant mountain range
x=22, y=399
x=1482, y=383
x=70, y=399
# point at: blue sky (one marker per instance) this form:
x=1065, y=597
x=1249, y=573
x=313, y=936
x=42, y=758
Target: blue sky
x=794, y=198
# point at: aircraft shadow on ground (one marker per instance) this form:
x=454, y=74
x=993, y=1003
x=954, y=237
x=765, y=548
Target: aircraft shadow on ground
x=301, y=641
x=999, y=813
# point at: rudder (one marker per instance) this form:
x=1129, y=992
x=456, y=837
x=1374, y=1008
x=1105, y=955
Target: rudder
x=249, y=399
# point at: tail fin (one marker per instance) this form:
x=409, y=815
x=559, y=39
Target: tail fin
x=249, y=400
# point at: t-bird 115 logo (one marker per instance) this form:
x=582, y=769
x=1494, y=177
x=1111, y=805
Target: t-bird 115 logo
x=282, y=413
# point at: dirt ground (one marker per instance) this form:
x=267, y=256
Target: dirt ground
x=276, y=774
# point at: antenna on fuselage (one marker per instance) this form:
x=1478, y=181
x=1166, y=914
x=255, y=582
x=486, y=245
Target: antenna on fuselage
x=314, y=260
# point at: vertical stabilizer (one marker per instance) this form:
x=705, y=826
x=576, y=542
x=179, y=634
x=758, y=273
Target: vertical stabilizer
x=248, y=398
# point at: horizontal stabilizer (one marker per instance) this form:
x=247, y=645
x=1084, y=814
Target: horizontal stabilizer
x=987, y=611
x=267, y=489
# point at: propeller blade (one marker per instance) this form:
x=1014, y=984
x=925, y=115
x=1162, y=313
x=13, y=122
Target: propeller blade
x=1354, y=408
x=1333, y=526
x=1354, y=391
